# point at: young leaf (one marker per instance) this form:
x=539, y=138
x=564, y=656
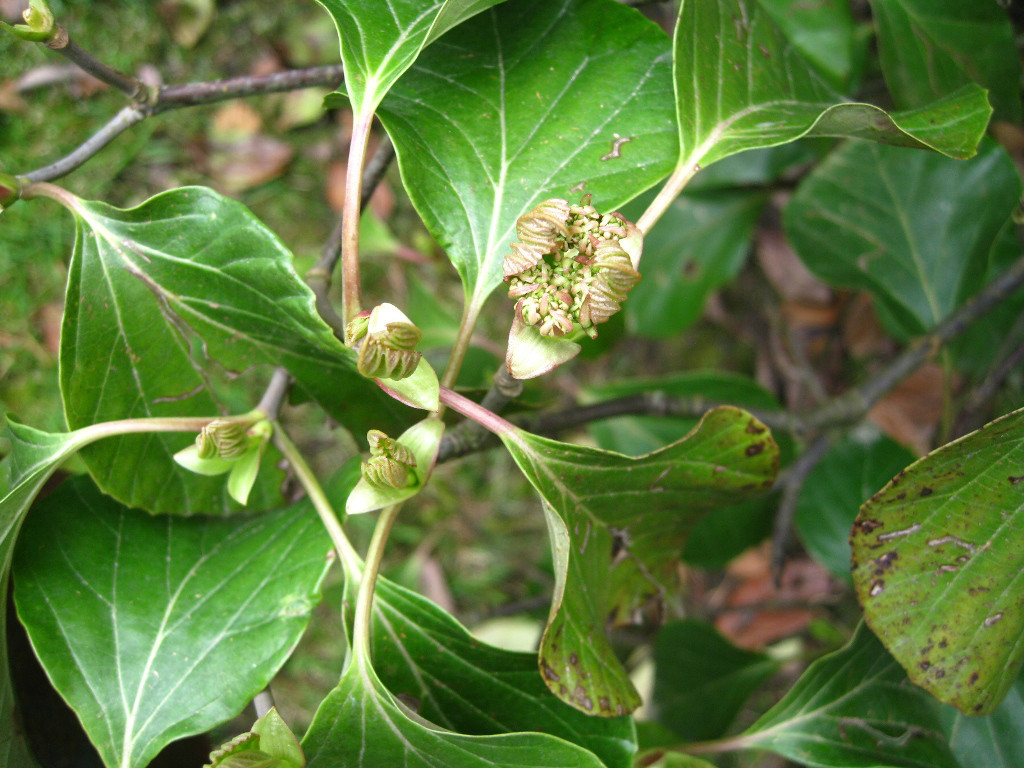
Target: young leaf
x=492, y=119
x=156, y=296
x=423, y=655
x=828, y=502
x=952, y=524
x=913, y=228
x=741, y=85
x=377, y=46
x=929, y=48
x=853, y=709
x=360, y=725
x=617, y=526
x=702, y=680
x=175, y=624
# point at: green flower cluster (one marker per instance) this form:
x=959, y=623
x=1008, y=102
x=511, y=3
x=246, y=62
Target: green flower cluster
x=389, y=464
x=572, y=267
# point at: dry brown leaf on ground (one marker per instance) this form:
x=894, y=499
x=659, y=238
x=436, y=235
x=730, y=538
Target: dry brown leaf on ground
x=910, y=413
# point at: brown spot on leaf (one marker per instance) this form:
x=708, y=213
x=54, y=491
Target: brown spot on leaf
x=1016, y=479
x=868, y=525
x=753, y=450
x=884, y=562
x=940, y=673
x=604, y=703
x=926, y=491
x=574, y=659
x=581, y=698
x=973, y=678
x=549, y=673
x=754, y=428
x=925, y=665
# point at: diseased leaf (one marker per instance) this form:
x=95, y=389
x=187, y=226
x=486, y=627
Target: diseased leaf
x=938, y=565
x=491, y=120
x=914, y=229
x=850, y=472
x=617, y=527
x=990, y=741
x=740, y=84
x=929, y=48
x=702, y=680
x=380, y=41
x=853, y=709
x=160, y=296
x=173, y=624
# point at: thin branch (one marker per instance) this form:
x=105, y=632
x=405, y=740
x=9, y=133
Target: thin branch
x=121, y=122
x=179, y=96
x=62, y=43
x=276, y=392
x=790, y=483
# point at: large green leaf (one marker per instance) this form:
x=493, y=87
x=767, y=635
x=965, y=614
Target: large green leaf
x=717, y=538
x=991, y=741
x=160, y=297
x=740, y=84
x=938, y=564
x=929, y=48
x=360, y=725
x=530, y=100
x=823, y=33
x=702, y=680
x=33, y=458
x=618, y=525
x=153, y=628
x=379, y=41
x=699, y=245
x=423, y=655
x=852, y=470
x=853, y=709
x=914, y=228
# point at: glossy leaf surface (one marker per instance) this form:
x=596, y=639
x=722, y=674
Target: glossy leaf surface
x=823, y=33
x=617, y=526
x=173, y=623
x=929, y=48
x=491, y=120
x=952, y=524
x=702, y=680
x=379, y=41
x=160, y=297
x=854, y=709
x=740, y=84
x=851, y=471
x=913, y=228
x=360, y=725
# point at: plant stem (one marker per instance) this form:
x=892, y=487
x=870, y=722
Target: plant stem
x=485, y=418
x=351, y=301
x=277, y=390
x=470, y=312
x=364, y=600
x=61, y=42
x=317, y=497
x=670, y=191
x=121, y=122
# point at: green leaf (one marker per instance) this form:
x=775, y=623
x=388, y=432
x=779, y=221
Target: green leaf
x=823, y=33
x=702, y=680
x=158, y=297
x=991, y=741
x=277, y=739
x=740, y=85
x=852, y=470
x=528, y=101
x=173, y=624
x=617, y=527
x=938, y=563
x=33, y=458
x=717, y=538
x=360, y=725
x=700, y=244
x=914, y=229
x=423, y=655
x=378, y=45
x=853, y=709
x=929, y=48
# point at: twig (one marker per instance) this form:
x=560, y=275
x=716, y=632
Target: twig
x=121, y=122
x=263, y=702
x=276, y=392
x=62, y=43
x=791, y=483
x=179, y=96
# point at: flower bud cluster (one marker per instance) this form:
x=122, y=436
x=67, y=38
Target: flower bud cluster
x=389, y=462
x=570, y=268
x=386, y=342
x=223, y=439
